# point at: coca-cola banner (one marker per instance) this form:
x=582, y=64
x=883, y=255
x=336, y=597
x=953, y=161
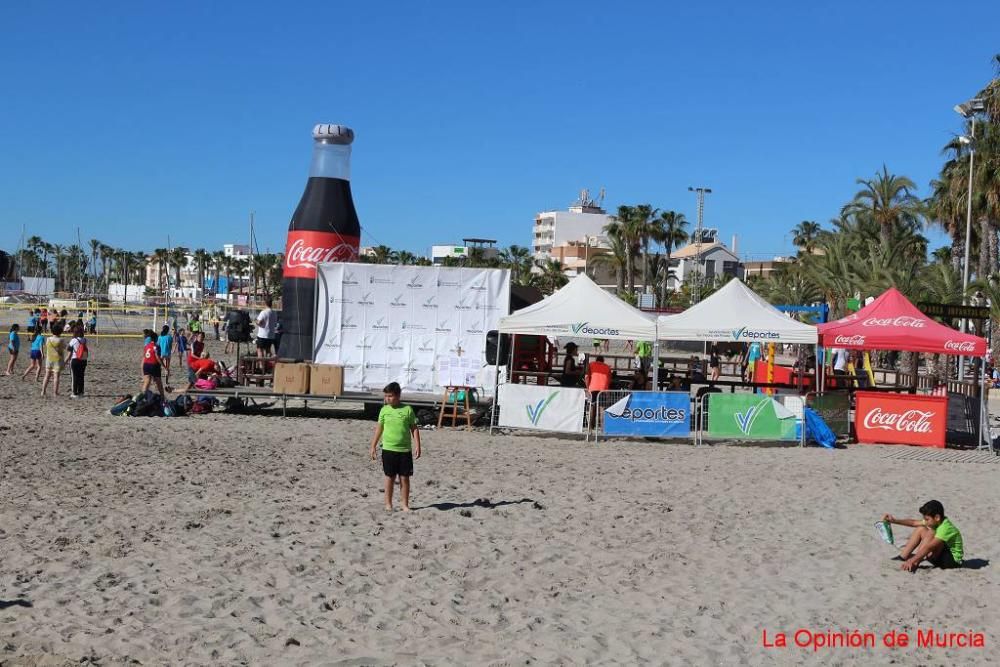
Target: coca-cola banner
x=387, y=323
x=900, y=419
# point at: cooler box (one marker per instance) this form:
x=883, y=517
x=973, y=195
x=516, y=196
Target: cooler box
x=326, y=380
x=291, y=378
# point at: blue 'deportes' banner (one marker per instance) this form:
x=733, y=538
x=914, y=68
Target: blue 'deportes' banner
x=653, y=413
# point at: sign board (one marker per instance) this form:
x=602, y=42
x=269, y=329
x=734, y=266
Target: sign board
x=749, y=417
x=386, y=323
x=459, y=371
x=950, y=311
x=542, y=408
x=650, y=413
x=900, y=419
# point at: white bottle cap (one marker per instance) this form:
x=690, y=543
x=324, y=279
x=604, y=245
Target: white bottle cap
x=329, y=133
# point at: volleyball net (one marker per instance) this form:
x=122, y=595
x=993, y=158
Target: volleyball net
x=118, y=321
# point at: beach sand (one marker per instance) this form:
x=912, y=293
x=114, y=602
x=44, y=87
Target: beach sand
x=233, y=539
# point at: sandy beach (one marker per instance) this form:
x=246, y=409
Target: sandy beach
x=229, y=539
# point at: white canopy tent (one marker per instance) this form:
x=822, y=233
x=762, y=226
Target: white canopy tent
x=584, y=310
x=735, y=313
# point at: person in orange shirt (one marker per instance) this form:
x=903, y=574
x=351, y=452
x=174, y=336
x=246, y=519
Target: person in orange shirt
x=598, y=379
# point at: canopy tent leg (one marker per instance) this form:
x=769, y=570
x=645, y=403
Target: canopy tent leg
x=656, y=363
x=984, y=409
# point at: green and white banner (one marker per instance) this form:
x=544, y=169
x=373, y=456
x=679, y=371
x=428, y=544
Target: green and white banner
x=749, y=417
x=542, y=408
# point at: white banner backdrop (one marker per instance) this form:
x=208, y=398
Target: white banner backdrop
x=387, y=323
x=542, y=408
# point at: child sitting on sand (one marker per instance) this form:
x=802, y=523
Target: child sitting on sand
x=397, y=428
x=935, y=539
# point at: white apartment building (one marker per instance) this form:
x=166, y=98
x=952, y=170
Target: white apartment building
x=584, y=221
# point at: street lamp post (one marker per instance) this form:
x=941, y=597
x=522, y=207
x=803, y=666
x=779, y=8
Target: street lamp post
x=696, y=289
x=968, y=110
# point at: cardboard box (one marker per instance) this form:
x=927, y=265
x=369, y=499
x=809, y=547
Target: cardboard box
x=291, y=378
x=326, y=380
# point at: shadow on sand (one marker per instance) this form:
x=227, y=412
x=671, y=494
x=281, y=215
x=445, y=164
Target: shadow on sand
x=5, y=604
x=484, y=503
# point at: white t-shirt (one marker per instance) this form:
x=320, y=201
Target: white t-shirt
x=839, y=359
x=267, y=322
x=79, y=348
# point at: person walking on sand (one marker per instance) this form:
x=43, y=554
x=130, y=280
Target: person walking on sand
x=55, y=351
x=13, y=347
x=267, y=322
x=151, y=364
x=165, y=346
x=935, y=538
x=397, y=428
x=37, y=341
x=78, y=355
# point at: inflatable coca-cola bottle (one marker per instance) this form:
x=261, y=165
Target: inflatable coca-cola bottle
x=324, y=228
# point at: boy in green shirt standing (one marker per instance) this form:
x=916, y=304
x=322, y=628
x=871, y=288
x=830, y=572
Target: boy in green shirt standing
x=935, y=538
x=397, y=428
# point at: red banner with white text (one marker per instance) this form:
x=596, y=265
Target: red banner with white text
x=900, y=419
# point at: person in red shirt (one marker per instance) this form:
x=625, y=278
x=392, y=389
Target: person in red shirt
x=151, y=364
x=203, y=368
x=598, y=380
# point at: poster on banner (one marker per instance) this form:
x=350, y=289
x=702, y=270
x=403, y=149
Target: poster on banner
x=396, y=323
x=749, y=417
x=542, y=408
x=456, y=371
x=654, y=414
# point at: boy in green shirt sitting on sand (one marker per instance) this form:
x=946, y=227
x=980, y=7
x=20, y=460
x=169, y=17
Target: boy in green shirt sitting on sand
x=935, y=538
x=397, y=428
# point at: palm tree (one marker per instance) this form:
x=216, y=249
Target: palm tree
x=617, y=259
x=518, y=259
x=805, y=234
x=202, y=259
x=673, y=225
x=261, y=266
x=178, y=258
x=406, y=258
x=95, y=250
x=627, y=227
x=888, y=200
x=218, y=265
x=649, y=230
x=551, y=276
x=383, y=254
x=160, y=257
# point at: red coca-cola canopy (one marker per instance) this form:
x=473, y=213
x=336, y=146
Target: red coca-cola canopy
x=891, y=322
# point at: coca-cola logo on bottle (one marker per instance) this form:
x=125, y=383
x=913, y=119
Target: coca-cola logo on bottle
x=960, y=346
x=856, y=339
x=909, y=421
x=304, y=250
x=901, y=321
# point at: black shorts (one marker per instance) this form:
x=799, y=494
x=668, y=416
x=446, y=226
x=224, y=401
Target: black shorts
x=152, y=370
x=944, y=560
x=397, y=463
x=264, y=344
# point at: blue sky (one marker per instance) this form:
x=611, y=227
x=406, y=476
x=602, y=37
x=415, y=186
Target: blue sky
x=133, y=121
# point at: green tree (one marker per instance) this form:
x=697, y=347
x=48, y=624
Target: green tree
x=888, y=200
x=805, y=234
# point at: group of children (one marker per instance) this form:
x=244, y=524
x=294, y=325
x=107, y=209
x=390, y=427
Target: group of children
x=51, y=354
x=158, y=350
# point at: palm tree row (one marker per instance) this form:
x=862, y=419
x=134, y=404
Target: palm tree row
x=77, y=271
x=644, y=236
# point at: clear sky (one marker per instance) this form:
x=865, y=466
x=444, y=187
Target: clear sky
x=135, y=120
